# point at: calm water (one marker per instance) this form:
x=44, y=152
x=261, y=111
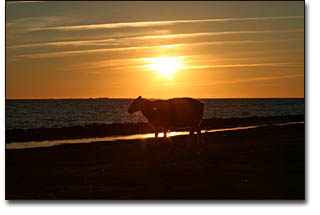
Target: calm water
x=49, y=113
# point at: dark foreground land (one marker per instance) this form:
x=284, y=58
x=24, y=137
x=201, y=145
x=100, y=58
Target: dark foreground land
x=260, y=163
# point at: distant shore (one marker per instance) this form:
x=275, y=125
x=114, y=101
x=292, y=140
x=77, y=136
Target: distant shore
x=260, y=163
x=103, y=130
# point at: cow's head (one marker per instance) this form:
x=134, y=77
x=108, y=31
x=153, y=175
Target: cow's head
x=135, y=105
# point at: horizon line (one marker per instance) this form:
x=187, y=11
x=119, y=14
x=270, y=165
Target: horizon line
x=97, y=98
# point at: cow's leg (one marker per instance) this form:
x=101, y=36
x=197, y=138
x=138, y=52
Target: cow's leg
x=190, y=137
x=156, y=131
x=199, y=135
x=165, y=130
x=191, y=131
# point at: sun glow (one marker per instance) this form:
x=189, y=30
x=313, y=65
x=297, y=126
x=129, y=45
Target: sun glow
x=165, y=66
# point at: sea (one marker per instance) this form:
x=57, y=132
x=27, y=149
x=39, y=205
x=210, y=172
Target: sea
x=55, y=113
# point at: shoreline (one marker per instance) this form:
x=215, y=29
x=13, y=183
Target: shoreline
x=118, y=129
x=260, y=163
x=52, y=143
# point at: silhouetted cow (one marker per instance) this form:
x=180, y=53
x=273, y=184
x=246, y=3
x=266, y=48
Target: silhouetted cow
x=171, y=113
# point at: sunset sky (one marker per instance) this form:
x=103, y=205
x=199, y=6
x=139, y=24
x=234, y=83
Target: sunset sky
x=154, y=49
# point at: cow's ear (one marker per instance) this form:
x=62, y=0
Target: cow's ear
x=139, y=97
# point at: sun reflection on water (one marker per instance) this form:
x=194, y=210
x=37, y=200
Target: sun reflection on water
x=48, y=143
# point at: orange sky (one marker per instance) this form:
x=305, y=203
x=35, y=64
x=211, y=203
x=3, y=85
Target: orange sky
x=154, y=49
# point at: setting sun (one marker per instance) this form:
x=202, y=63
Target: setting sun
x=165, y=66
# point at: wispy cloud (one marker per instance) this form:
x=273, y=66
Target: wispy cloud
x=115, y=64
x=156, y=23
x=138, y=64
x=23, y=2
x=199, y=34
x=237, y=81
x=22, y=25
x=271, y=64
x=68, y=43
x=111, y=41
x=66, y=53
x=208, y=58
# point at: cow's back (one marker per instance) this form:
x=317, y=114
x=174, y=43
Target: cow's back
x=179, y=112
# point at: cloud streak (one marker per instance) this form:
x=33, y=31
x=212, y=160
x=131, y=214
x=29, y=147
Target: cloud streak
x=66, y=53
x=73, y=52
x=271, y=64
x=110, y=41
x=156, y=23
x=67, y=43
x=248, y=80
x=199, y=34
x=131, y=65
x=24, y=2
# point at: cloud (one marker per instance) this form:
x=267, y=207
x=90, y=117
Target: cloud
x=223, y=82
x=246, y=65
x=23, y=25
x=132, y=64
x=199, y=34
x=155, y=23
x=115, y=64
x=73, y=52
x=113, y=41
x=23, y=2
x=67, y=43
x=66, y=53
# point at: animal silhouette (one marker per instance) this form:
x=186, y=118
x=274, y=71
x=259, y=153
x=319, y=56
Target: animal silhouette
x=171, y=113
